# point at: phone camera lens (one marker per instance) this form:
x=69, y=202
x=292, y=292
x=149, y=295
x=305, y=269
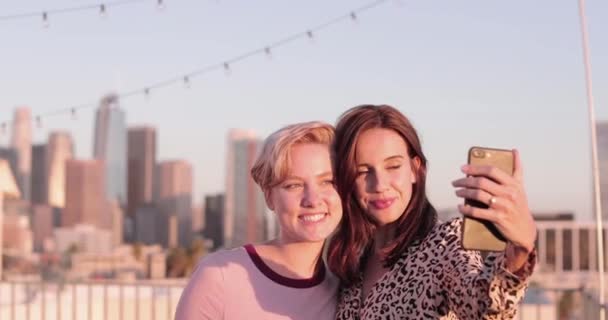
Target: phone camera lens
x=479, y=153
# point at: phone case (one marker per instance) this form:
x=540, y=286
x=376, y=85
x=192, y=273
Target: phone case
x=479, y=234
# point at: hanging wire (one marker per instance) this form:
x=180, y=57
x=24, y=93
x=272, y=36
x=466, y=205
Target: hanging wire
x=47, y=13
x=226, y=65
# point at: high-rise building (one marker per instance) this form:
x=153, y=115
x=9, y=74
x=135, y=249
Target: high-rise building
x=112, y=219
x=214, y=220
x=10, y=155
x=141, y=164
x=38, y=194
x=21, y=141
x=198, y=219
x=8, y=189
x=60, y=148
x=42, y=225
x=85, y=237
x=17, y=233
x=85, y=193
x=148, y=224
x=173, y=198
x=602, y=150
x=244, y=201
x=110, y=145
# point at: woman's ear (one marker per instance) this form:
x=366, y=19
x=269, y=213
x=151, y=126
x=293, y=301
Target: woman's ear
x=268, y=198
x=415, y=168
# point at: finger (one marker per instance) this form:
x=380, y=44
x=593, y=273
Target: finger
x=475, y=194
x=491, y=172
x=503, y=205
x=484, y=214
x=518, y=170
x=492, y=201
x=479, y=183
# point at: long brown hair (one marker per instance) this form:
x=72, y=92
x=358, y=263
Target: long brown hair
x=354, y=236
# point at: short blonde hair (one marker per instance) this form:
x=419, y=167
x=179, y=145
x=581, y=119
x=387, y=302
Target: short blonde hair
x=272, y=165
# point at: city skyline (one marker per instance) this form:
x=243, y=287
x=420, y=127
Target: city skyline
x=128, y=130
x=522, y=86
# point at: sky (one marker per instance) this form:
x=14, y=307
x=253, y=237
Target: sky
x=506, y=74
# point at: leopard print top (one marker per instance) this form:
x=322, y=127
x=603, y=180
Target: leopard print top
x=437, y=279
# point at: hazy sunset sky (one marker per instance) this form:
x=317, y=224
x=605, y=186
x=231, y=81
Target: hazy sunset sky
x=493, y=73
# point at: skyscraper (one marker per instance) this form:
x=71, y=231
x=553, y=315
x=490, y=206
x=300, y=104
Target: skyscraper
x=60, y=148
x=8, y=188
x=10, y=155
x=21, y=141
x=39, y=182
x=173, y=198
x=244, y=201
x=42, y=225
x=602, y=150
x=141, y=163
x=110, y=145
x=146, y=231
x=214, y=219
x=198, y=219
x=85, y=193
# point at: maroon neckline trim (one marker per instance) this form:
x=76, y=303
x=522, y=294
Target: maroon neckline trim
x=316, y=279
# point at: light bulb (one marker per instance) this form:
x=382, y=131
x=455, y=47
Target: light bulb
x=227, y=70
x=102, y=11
x=268, y=53
x=45, y=20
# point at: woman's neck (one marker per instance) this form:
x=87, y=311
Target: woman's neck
x=292, y=259
x=382, y=237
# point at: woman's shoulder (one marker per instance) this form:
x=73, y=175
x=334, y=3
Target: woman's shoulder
x=223, y=257
x=446, y=232
x=449, y=227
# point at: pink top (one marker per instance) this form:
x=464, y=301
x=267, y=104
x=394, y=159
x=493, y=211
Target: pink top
x=237, y=284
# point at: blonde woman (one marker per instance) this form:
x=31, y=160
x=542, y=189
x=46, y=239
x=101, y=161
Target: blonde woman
x=286, y=277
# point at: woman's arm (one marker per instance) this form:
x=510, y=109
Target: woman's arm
x=507, y=207
x=482, y=289
x=203, y=298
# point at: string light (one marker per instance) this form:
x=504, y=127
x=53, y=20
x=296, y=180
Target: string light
x=45, y=20
x=226, y=65
x=309, y=35
x=102, y=10
x=3, y=128
x=268, y=52
x=38, y=122
x=160, y=5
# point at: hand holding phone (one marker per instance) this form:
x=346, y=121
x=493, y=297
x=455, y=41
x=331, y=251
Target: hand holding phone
x=500, y=217
x=479, y=234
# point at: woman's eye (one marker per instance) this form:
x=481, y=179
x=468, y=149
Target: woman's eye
x=328, y=182
x=394, y=167
x=361, y=173
x=292, y=186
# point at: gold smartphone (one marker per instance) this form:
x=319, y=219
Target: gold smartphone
x=478, y=234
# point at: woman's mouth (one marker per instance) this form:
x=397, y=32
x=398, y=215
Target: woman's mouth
x=312, y=217
x=382, y=204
